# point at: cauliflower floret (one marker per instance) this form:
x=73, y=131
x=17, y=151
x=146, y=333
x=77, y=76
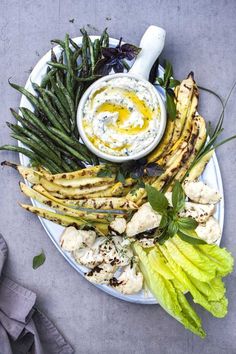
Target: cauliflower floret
x=72, y=239
x=209, y=231
x=199, y=192
x=90, y=257
x=147, y=242
x=200, y=212
x=118, y=225
x=101, y=274
x=130, y=281
x=116, y=251
x=124, y=251
x=144, y=219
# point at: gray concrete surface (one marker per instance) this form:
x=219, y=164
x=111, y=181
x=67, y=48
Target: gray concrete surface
x=201, y=36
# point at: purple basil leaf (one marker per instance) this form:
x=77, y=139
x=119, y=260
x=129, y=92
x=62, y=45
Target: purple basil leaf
x=130, y=50
x=118, y=67
x=103, y=67
x=137, y=172
x=109, y=52
x=142, y=161
x=153, y=169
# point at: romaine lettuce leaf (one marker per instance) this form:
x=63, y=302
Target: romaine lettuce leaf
x=168, y=297
x=216, y=308
x=186, y=264
x=192, y=253
x=220, y=256
x=160, y=265
x=214, y=290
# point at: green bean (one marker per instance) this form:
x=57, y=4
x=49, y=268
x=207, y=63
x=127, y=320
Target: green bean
x=70, y=104
x=86, y=79
x=59, y=106
x=46, y=78
x=38, y=132
x=75, y=45
x=126, y=65
x=58, y=41
x=91, y=50
x=26, y=93
x=62, y=116
x=97, y=49
x=41, y=143
x=72, y=142
x=51, y=114
x=78, y=94
x=74, y=152
x=53, y=56
x=30, y=117
x=67, y=52
x=32, y=156
x=60, y=95
x=66, y=166
x=69, y=74
x=103, y=37
x=38, y=148
x=85, y=63
x=71, y=163
x=75, y=56
x=57, y=65
x=106, y=40
x=47, y=130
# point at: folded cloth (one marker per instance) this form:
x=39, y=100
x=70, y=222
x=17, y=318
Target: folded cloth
x=23, y=328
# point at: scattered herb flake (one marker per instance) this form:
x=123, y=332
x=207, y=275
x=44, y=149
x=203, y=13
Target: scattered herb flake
x=39, y=260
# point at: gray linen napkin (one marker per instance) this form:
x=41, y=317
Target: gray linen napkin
x=23, y=328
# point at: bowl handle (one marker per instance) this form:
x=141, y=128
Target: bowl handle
x=151, y=44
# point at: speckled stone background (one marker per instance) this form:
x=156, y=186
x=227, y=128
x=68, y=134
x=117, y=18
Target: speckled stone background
x=201, y=36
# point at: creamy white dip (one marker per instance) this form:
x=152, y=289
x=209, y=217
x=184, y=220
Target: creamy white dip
x=121, y=116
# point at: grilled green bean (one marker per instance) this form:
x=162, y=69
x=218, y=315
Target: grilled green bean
x=57, y=65
x=26, y=93
x=36, y=147
x=32, y=156
x=92, y=57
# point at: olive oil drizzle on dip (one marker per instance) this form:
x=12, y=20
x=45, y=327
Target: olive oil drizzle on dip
x=121, y=116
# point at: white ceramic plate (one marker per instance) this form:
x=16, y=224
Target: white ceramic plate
x=211, y=176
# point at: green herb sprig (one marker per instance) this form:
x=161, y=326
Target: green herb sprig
x=168, y=83
x=171, y=223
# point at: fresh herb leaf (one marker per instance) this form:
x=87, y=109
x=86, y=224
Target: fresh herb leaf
x=168, y=83
x=105, y=172
x=168, y=73
x=39, y=260
x=136, y=169
x=164, y=221
x=160, y=81
x=178, y=197
x=187, y=223
x=114, y=58
x=173, y=83
x=170, y=105
x=171, y=224
x=172, y=228
x=138, y=185
x=152, y=169
x=157, y=199
x=193, y=240
x=120, y=177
